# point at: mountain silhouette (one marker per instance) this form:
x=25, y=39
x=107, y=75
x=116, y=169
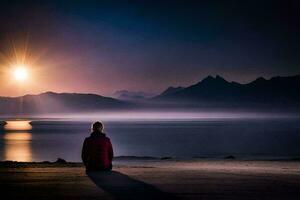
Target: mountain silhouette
x=171, y=90
x=279, y=93
x=131, y=95
x=277, y=90
x=50, y=102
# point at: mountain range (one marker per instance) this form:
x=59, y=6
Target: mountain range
x=50, y=102
x=131, y=95
x=217, y=90
x=277, y=92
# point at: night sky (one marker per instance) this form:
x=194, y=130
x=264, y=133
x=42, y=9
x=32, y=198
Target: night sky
x=104, y=46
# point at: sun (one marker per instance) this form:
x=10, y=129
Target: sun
x=20, y=73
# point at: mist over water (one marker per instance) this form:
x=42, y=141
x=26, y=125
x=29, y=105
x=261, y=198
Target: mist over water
x=162, y=115
x=157, y=134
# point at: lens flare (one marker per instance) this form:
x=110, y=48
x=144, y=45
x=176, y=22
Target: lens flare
x=20, y=73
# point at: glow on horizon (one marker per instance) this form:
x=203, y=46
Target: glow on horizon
x=22, y=125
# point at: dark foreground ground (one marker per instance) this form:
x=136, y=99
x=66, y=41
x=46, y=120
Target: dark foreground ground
x=224, y=179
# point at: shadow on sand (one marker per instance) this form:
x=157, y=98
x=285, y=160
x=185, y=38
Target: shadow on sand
x=122, y=187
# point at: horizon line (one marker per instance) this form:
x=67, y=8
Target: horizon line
x=110, y=96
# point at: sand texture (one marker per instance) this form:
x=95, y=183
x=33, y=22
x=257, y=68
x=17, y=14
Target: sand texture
x=198, y=179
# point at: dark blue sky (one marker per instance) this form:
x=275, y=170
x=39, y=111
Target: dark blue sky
x=103, y=46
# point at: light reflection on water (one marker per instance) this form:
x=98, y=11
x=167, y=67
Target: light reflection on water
x=18, y=125
x=17, y=141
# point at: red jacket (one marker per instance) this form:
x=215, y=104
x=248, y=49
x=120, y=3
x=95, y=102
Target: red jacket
x=97, y=152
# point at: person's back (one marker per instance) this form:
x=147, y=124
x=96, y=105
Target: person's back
x=97, y=152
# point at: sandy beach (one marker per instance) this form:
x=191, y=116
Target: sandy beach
x=152, y=179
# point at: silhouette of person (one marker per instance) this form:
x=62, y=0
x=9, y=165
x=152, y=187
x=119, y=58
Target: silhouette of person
x=97, y=151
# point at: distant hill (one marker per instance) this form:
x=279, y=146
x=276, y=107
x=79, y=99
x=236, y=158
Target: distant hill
x=171, y=90
x=277, y=93
x=131, y=95
x=217, y=90
x=51, y=102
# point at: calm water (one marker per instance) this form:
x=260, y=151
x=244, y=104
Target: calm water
x=48, y=140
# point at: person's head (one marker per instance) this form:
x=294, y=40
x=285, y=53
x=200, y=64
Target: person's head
x=97, y=127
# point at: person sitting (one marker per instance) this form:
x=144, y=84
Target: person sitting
x=97, y=151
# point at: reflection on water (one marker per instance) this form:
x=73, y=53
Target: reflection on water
x=249, y=139
x=17, y=141
x=17, y=136
x=17, y=126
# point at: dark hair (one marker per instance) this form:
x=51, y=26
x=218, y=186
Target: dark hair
x=97, y=127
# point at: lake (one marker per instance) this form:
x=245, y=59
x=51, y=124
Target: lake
x=41, y=140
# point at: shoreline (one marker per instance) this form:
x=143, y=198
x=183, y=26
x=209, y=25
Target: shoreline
x=169, y=158
x=141, y=161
